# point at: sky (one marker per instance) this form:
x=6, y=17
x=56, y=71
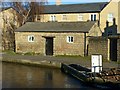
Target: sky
x=63, y=1
x=50, y=2
x=76, y=1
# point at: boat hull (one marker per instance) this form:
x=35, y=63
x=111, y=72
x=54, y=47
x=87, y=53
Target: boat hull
x=86, y=76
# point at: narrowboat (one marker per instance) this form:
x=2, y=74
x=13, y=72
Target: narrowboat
x=86, y=76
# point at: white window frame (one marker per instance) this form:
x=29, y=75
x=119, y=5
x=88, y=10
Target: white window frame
x=80, y=17
x=110, y=17
x=70, y=39
x=93, y=17
x=64, y=17
x=31, y=38
x=52, y=18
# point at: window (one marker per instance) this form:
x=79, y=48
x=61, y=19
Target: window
x=110, y=17
x=80, y=17
x=52, y=18
x=93, y=17
x=64, y=17
x=31, y=38
x=70, y=39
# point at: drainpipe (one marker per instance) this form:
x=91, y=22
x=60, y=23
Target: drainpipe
x=99, y=20
x=84, y=44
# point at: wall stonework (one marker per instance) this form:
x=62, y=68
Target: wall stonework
x=98, y=45
x=101, y=45
x=60, y=45
x=118, y=50
x=71, y=17
x=119, y=17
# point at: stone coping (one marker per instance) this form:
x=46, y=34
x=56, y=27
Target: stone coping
x=43, y=63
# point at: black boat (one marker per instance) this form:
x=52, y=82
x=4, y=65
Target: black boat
x=85, y=75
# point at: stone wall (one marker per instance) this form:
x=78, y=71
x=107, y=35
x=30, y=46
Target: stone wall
x=101, y=45
x=60, y=45
x=98, y=45
x=118, y=50
x=119, y=17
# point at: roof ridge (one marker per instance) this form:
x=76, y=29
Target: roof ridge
x=77, y=4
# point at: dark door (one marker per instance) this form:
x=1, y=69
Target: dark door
x=113, y=49
x=49, y=46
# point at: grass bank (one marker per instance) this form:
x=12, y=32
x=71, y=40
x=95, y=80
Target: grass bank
x=74, y=57
x=58, y=56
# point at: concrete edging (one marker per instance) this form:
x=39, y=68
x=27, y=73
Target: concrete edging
x=43, y=63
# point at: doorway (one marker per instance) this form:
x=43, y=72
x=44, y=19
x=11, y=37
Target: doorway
x=113, y=49
x=49, y=45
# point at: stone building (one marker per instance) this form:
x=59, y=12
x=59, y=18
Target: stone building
x=110, y=12
x=55, y=38
x=108, y=45
x=72, y=12
x=100, y=11
x=9, y=21
x=67, y=30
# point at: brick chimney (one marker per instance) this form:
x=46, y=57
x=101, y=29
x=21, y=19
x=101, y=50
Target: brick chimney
x=58, y=2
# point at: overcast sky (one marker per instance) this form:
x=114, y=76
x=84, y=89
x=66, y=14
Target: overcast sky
x=76, y=1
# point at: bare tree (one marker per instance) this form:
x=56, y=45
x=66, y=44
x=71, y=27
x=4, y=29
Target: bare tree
x=27, y=11
x=9, y=25
x=31, y=10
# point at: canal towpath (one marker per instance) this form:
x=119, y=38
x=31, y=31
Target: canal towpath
x=52, y=61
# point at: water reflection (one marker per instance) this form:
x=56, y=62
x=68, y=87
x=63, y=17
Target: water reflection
x=20, y=76
x=48, y=79
x=29, y=78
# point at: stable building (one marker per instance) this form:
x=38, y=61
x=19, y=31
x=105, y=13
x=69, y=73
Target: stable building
x=55, y=38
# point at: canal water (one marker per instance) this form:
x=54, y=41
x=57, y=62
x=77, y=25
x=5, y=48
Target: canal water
x=21, y=76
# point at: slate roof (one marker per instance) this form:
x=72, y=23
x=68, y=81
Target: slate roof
x=56, y=27
x=74, y=8
x=71, y=8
